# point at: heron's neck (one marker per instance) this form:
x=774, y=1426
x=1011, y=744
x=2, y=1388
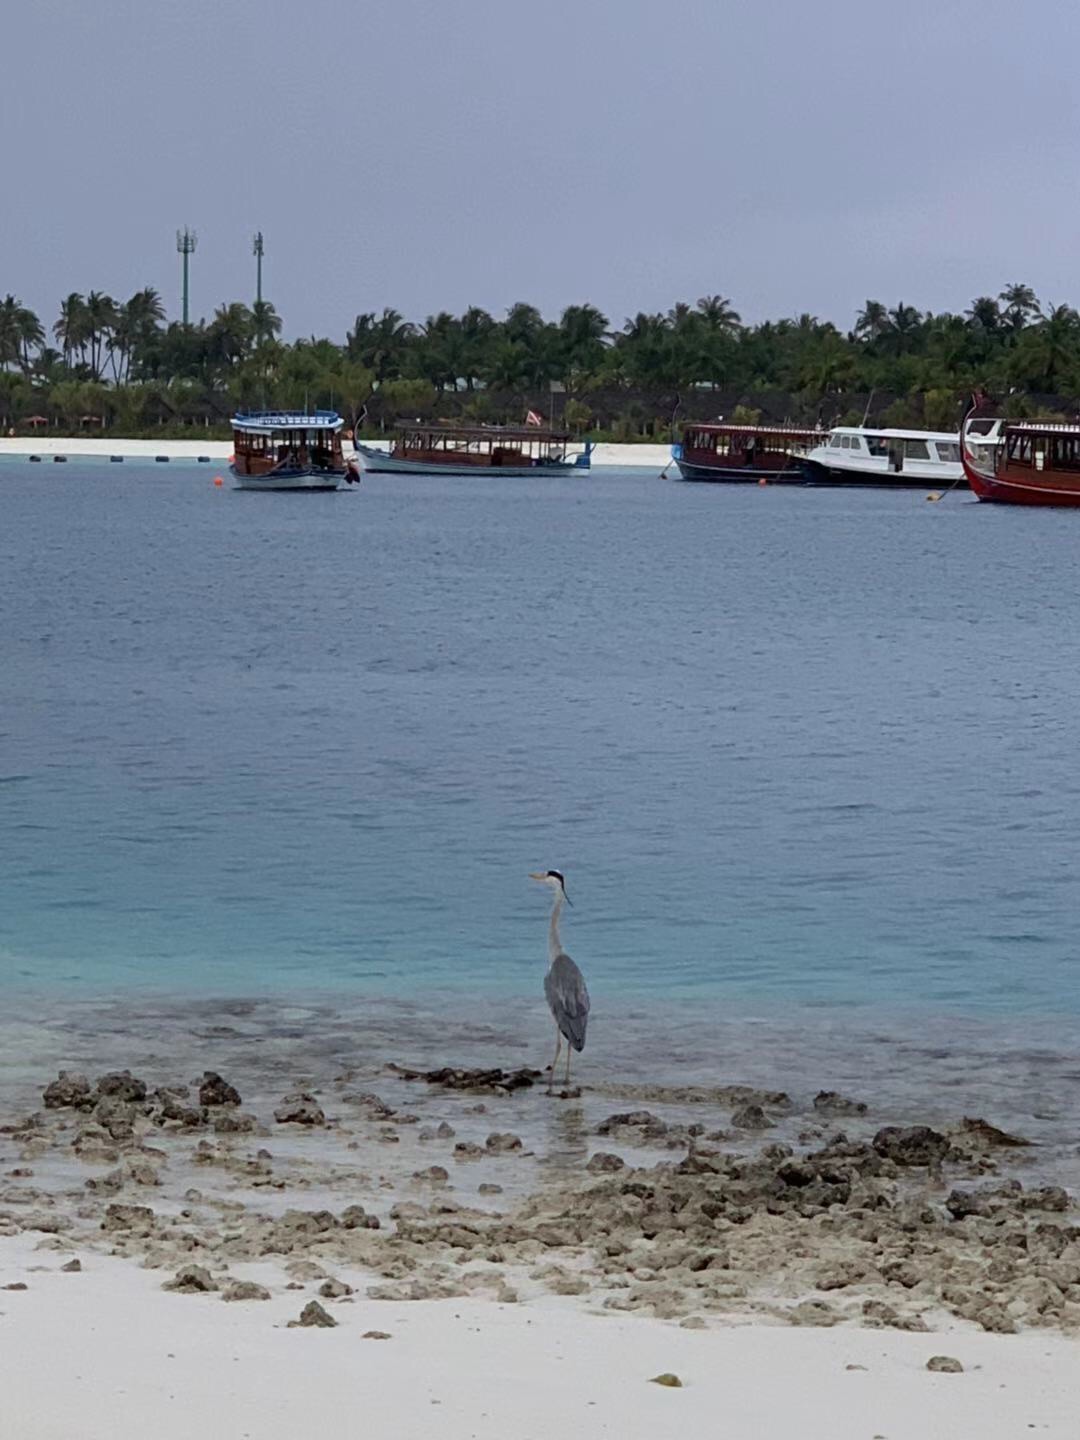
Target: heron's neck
x=554, y=943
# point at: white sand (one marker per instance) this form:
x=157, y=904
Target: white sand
x=107, y=1355
x=623, y=456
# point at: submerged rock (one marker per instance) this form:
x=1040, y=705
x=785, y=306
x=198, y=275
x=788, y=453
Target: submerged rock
x=945, y=1365
x=751, y=1117
x=300, y=1109
x=647, y=1125
x=990, y=1135
x=501, y=1144
x=667, y=1379
x=451, y=1077
x=830, y=1102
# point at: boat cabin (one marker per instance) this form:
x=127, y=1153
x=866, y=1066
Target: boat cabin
x=761, y=447
x=1033, y=445
x=283, y=442
x=896, y=446
x=482, y=446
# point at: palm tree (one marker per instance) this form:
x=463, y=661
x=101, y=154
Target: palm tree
x=904, y=322
x=229, y=333
x=478, y=329
x=380, y=344
x=871, y=322
x=1054, y=349
x=523, y=323
x=439, y=355
x=265, y=322
x=31, y=334
x=100, y=318
x=717, y=313
x=70, y=327
x=1021, y=306
x=983, y=314
x=582, y=329
x=20, y=330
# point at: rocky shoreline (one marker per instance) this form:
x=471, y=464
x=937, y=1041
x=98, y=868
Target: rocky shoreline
x=700, y=1205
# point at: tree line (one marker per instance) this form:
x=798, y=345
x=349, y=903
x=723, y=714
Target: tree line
x=123, y=366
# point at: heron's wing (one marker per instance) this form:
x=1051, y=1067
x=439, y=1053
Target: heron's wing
x=568, y=996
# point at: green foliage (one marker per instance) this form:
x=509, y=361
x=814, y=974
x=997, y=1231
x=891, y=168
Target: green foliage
x=122, y=361
x=576, y=415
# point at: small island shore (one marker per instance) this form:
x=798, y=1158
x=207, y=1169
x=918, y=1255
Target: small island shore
x=105, y=1354
x=490, y=1257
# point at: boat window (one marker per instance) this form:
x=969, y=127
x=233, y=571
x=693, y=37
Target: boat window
x=1020, y=449
x=877, y=444
x=916, y=450
x=948, y=451
x=1065, y=452
x=836, y=442
x=856, y=442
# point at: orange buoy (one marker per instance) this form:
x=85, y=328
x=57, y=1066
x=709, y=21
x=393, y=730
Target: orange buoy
x=762, y=480
x=218, y=480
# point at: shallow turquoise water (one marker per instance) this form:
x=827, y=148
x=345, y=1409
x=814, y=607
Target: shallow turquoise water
x=791, y=748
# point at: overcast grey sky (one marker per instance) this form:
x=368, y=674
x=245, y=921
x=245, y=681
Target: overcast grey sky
x=429, y=155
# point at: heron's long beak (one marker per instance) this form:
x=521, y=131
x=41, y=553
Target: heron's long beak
x=537, y=875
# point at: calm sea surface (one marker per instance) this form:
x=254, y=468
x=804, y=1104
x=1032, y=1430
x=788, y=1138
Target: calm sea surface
x=805, y=757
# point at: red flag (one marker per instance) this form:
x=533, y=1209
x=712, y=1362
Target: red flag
x=532, y=418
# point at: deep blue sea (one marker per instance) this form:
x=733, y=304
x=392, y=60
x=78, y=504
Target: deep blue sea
x=801, y=754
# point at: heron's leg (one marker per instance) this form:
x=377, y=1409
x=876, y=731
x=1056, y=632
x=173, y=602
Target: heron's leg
x=558, y=1047
x=569, y=1052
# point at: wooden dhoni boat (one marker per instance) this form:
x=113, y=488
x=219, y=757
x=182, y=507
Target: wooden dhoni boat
x=1033, y=462
x=287, y=450
x=445, y=449
x=744, y=454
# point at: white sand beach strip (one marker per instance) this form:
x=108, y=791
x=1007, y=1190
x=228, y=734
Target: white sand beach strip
x=106, y=1354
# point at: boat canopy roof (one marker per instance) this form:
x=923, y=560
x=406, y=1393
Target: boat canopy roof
x=267, y=422
x=450, y=431
x=1043, y=427
x=894, y=434
x=716, y=427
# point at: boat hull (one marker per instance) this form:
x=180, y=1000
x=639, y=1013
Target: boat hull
x=851, y=477
x=1040, y=490
x=290, y=480
x=380, y=462
x=740, y=474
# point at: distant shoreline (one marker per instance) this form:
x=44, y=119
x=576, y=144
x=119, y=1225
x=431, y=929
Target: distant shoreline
x=82, y=447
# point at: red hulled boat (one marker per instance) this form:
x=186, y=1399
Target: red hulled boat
x=1033, y=462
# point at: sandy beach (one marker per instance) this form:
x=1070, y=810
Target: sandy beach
x=105, y=1354
x=622, y=457
x=387, y=1240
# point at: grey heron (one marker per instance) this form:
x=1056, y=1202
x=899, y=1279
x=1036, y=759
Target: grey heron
x=564, y=984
